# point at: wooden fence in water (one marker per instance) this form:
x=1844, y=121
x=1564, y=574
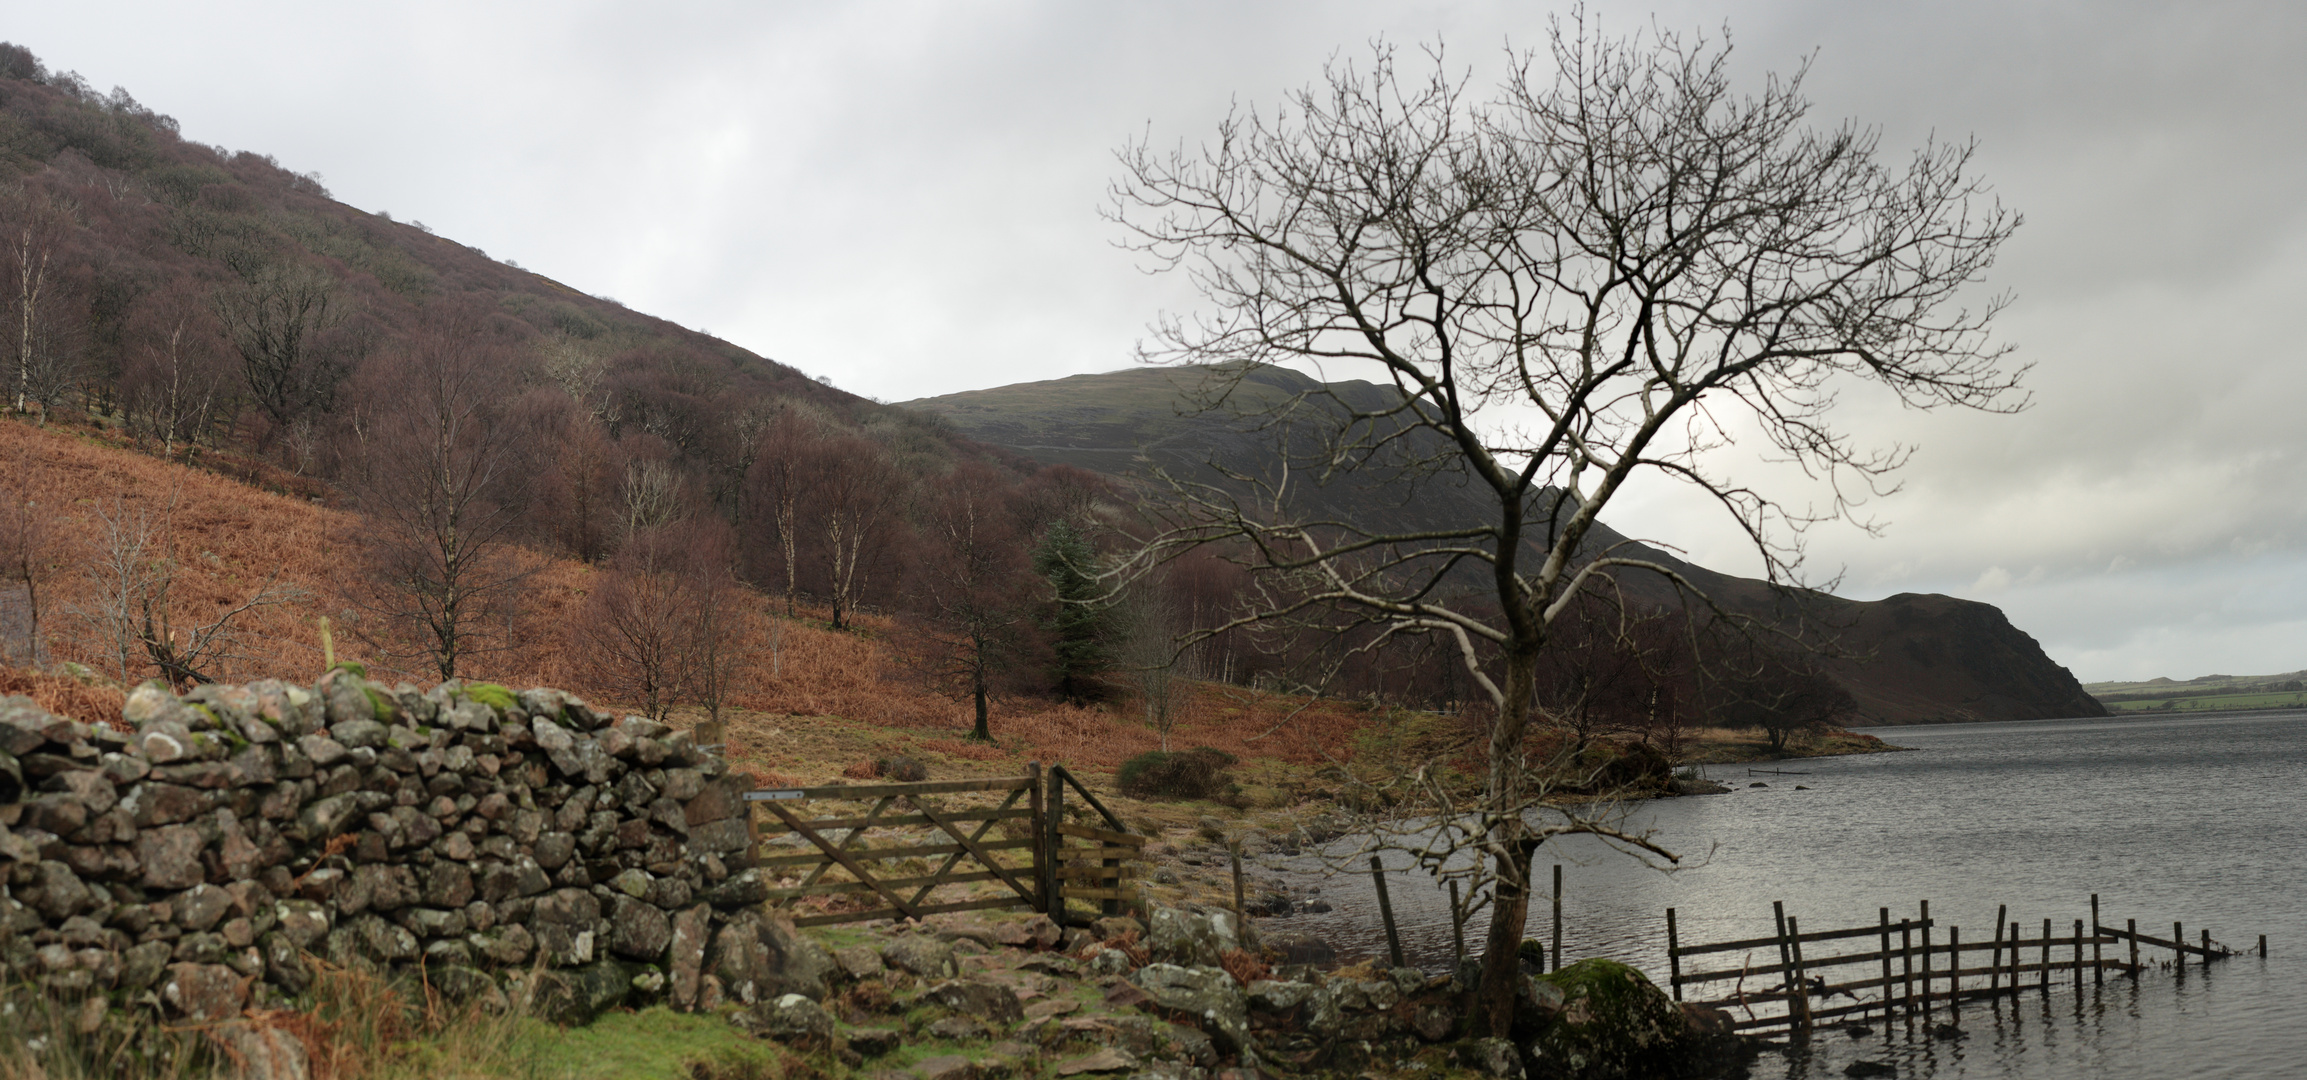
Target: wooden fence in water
x=1907, y=968
x=1037, y=859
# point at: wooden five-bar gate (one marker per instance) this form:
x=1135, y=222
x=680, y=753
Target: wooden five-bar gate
x=1907, y=968
x=942, y=854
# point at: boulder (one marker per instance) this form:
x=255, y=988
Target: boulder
x=262, y=1053
x=792, y=1019
x=874, y=1042
x=575, y=995
x=203, y=992
x=1205, y=997
x=1189, y=940
x=687, y=960
x=944, y=1067
x=1491, y=1057
x=758, y=958
x=1036, y=932
x=919, y=954
x=983, y=1000
x=1612, y=1023
x=859, y=962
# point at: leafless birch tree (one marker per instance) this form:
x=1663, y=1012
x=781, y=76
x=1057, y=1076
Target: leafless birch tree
x=1614, y=266
x=32, y=227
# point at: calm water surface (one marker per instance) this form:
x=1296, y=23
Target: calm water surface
x=2197, y=819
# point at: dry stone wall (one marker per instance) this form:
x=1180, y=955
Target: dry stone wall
x=195, y=856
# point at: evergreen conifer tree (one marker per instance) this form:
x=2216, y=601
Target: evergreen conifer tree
x=1077, y=626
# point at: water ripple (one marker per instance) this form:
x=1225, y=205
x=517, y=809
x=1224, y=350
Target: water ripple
x=2198, y=819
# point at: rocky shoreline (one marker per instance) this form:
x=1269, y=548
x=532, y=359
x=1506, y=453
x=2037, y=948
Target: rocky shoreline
x=1190, y=997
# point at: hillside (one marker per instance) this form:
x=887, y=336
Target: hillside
x=224, y=539
x=1906, y=659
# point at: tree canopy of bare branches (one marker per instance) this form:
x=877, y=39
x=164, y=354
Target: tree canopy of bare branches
x=278, y=315
x=1613, y=266
x=973, y=589
x=441, y=476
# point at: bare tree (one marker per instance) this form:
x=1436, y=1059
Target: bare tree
x=852, y=494
x=277, y=315
x=1609, y=269
x=634, y=633
x=1146, y=626
x=576, y=366
x=172, y=386
x=975, y=592
x=131, y=611
x=32, y=227
x=1781, y=694
x=779, y=476
x=444, y=487
x=716, y=617
x=652, y=496
x=660, y=628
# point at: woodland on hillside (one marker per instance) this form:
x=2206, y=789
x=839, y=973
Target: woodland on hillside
x=478, y=472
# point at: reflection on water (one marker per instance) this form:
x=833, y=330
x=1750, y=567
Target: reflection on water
x=2196, y=819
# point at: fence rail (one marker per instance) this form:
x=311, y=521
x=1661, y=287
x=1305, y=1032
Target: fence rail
x=1040, y=869
x=1912, y=969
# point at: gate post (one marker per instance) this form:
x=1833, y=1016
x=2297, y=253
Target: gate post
x=1056, y=843
x=1041, y=878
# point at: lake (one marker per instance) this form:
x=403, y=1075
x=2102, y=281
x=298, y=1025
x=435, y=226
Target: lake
x=2198, y=819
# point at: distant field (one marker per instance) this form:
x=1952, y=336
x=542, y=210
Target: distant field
x=2214, y=702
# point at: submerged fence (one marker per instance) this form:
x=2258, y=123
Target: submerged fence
x=1908, y=967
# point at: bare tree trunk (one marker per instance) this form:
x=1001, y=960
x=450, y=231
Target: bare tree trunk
x=1509, y=849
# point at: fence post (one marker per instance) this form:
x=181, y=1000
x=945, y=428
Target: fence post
x=1955, y=969
x=1039, y=829
x=2098, y=960
x=1778, y=912
x=2078, y=955
x=2016, y=956
x=752, y=835
x=2045, y=981
x=1557, y=961
x=2206, y=948
x=1926, y=958
x=1885, y=950
x=1995, y=965
x=1458, y=930
x=1801, y=984
x=1056, y=810
x=1673, y=950
x=1386, y=911
x=1906, y=966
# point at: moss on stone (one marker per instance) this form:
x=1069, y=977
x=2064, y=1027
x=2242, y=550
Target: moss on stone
x=492, y=695
x=1613, y=1022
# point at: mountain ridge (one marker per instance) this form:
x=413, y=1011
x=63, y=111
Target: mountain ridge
x=1910, y=658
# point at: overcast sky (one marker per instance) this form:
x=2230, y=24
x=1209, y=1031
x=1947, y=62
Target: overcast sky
x=904, y=197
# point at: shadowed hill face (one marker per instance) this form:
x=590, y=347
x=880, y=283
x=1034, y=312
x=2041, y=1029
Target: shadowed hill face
x=1907, y=659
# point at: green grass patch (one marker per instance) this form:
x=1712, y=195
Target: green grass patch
x=653, y=1044
x=841, y=937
